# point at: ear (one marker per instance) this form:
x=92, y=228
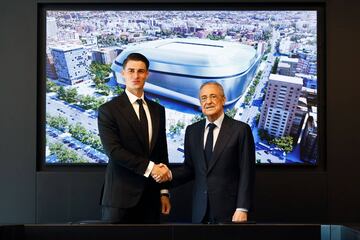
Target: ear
x=224, y=100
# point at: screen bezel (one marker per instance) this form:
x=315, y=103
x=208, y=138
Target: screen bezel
x=320, y=165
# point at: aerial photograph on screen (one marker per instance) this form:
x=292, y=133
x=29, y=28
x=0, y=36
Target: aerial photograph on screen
x=265, y=60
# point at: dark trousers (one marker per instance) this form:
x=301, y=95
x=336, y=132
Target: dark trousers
x=147, y=210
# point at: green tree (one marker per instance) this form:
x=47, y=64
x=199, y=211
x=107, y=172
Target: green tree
x=99, y=72
x=284, y=143
x=103, y=89
x=264, y=135
x=65, y=155
x=176, y=128
x=59, y=122
x=79, y=132
x=69, y=95
x=118, y=90
x=231, y=112
x=87, y=101
x=61, y=93
x=197, y=118
x=51, y=86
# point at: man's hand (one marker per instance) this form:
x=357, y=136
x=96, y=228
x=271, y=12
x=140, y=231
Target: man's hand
x=161, y=173
x=239, y=216
x=165, y=205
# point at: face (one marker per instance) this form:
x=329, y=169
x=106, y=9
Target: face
x=135, y=75
x=212, y=101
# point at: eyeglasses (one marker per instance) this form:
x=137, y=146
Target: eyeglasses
x=212, y=97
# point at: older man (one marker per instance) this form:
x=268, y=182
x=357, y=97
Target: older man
x=220, y=157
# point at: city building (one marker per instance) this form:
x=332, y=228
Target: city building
x=279, y=107
x=71, y=63
x=104, y=55
x=309, y=146
x=301, y=111
x=51, y=28
x=284, y=69
x=292, y=62
x=50, y=67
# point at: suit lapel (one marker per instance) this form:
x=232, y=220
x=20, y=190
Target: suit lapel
x=129, y=114
x=199, y=134
x=155, y=121
x=221, y=142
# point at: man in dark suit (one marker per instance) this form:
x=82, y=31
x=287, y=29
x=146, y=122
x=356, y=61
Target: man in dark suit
x=220, y=157
x=132, y=131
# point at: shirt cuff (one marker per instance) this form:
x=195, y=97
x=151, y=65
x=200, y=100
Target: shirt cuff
x=242, y=209
x=149, y=169
x=165, y=192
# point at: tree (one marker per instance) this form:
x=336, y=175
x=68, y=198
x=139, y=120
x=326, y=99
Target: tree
x=197, y=118
x=51, y=86
x=60, y=123
x=176, y=129
x=61, y=93
x=231, y=112
x=103, y=89
x=118, y=90
x=69, y=95
x=284, y=143
x=65, y=155
x=264, y=135
x=87, y=101
x=99, y=72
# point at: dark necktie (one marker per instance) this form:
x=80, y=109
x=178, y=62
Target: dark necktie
x=209, y=143
x=143, y=122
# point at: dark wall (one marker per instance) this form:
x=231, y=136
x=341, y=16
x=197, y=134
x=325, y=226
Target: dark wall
x=326, y=194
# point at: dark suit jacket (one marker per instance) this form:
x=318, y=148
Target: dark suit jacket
x=123, y=142
x=228, y=180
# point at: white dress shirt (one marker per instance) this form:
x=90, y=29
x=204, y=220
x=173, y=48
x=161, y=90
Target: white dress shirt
x=135, y=105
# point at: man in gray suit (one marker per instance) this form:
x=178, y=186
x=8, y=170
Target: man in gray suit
x=220, y=157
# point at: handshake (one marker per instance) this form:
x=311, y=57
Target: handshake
x=161, y=173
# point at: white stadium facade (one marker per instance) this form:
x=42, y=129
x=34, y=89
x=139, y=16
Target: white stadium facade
x=179, y=66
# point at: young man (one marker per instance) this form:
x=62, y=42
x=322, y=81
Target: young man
x=132, y=131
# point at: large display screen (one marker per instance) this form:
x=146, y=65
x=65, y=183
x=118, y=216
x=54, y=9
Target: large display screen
x=267, y=62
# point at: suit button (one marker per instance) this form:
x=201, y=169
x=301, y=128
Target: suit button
x=205, y=192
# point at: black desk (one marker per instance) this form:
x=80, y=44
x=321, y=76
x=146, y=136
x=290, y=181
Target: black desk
x=178, y=232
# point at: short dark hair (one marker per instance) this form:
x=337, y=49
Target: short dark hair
x=136, y=57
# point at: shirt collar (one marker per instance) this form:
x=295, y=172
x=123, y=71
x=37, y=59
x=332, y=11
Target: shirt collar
x=217, y=122
x=133, y=98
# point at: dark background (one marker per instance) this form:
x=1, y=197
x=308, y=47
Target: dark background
x=326, y=194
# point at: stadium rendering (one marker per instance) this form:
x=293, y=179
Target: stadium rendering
x=179, y=66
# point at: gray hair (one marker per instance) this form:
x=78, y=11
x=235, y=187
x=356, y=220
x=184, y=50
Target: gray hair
x=213, y=83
